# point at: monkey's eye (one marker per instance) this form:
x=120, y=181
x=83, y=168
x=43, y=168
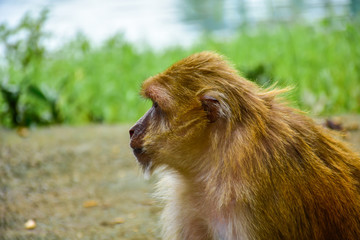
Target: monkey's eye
x=155, y=104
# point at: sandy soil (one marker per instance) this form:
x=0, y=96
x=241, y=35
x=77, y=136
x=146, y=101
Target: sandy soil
x=83, y=183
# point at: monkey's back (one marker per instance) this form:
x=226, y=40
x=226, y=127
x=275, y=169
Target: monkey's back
x=310, y=182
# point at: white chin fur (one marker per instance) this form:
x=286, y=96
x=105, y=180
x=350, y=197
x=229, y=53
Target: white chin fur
x=147, y=171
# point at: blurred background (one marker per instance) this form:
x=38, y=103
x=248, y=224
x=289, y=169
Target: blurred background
x=70, y=73
x=78, y=61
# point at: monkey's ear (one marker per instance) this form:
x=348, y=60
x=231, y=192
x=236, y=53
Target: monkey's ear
x=211, y=106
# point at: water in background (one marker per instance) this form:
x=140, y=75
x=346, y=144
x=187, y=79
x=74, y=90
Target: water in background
x=166, y=22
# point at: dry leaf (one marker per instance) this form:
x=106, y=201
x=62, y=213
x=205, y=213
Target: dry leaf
x=352, y=126
x=118, y=220
x=22, y=131
x=30, y=224
x=90, y=203
x=113, y=222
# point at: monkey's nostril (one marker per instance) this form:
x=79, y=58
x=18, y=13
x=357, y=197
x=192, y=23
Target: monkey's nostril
x=131, y=132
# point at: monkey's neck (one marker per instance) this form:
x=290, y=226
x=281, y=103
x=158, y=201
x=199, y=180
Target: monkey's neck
x=218, y=180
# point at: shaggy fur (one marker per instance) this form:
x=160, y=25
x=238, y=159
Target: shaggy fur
x=261, y=170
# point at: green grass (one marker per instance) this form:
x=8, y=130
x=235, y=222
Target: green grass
x=321, y=62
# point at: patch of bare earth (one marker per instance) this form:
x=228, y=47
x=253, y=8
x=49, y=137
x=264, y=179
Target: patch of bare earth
x=75, y=183
x=84, y=183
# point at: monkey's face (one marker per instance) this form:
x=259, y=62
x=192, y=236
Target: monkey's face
x=194, y=103
x=174, y=131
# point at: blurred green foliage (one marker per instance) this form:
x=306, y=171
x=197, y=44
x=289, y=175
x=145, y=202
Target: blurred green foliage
x=80, y=83
x=25, y=100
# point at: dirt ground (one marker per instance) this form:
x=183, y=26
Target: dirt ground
x=83, y=183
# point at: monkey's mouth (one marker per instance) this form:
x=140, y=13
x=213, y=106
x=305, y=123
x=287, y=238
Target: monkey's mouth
x=138, y=151
x=141, y=156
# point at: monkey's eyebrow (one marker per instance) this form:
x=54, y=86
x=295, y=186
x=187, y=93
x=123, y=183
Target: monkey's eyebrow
x=153, y=92
x=157, y=94
x=148, y=93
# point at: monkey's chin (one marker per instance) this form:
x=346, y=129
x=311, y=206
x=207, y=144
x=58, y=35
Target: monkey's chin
x=145, y=161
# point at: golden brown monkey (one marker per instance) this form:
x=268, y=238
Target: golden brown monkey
x=239, y=163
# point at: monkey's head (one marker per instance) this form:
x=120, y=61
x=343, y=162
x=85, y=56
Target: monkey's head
x=196, y=103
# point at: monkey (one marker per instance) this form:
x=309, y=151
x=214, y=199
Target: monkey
x=238, y=163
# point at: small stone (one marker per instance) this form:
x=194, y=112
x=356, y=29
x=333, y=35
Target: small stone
x=30, y=224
